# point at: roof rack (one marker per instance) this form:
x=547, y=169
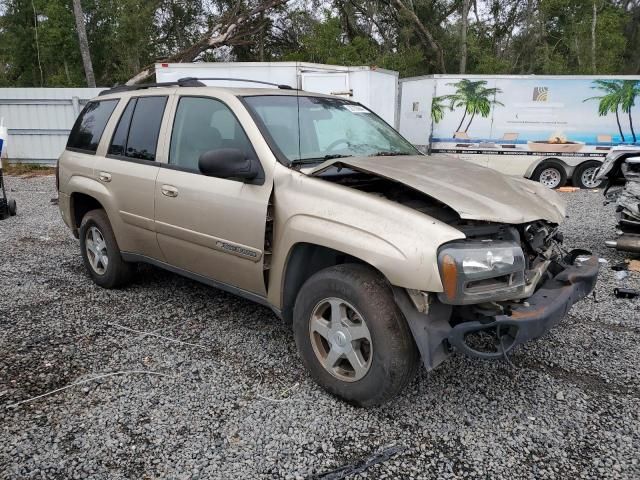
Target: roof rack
x=280, y=86
x=186, y=82
x=183, y=82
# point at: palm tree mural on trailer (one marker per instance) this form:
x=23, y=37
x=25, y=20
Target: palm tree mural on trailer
x=437, y=109
x=475, y=97
x=619, y=95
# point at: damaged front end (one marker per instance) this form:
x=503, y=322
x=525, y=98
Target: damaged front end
x=625, y=192
x=502, y=286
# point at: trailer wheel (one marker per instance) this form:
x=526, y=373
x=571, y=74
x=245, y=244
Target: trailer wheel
x=583, y=175
x=12, y=206
x=550, y=173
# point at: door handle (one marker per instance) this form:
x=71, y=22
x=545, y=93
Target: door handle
x=169, y=190
x=104, y=177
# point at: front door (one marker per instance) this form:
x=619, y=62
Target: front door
x=213, y=227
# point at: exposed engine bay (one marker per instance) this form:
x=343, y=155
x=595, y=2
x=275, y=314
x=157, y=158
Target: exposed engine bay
x=623, y=189
x=541, y=241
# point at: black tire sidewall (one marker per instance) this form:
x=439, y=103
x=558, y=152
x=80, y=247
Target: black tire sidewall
x=577, y=174
x=550, y=164
x=99, y=219
x=394, y=360
x=12, y=207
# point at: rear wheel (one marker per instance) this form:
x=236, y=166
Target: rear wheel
x=13, y=207
x=351, y=335
x=584, y=173
x=100, y=251
x=550, y=173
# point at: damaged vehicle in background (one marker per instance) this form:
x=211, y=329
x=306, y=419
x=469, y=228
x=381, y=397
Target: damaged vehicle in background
x=312, y=205
x=621, y=173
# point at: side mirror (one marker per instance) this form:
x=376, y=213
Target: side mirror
x=228, y=163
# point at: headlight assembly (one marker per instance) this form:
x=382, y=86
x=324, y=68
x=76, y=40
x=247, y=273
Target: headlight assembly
x=480, y=271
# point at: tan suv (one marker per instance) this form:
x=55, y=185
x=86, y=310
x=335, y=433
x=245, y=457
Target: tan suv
x=376, y=254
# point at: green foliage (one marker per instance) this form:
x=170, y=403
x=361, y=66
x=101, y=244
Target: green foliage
x=506, y=37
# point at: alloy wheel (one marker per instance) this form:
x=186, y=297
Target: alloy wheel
x=96, y=248
x=341, y=339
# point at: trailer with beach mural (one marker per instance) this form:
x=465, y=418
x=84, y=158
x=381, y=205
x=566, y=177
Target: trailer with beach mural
x=552, y=129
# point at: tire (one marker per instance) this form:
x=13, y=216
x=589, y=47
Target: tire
x=392, y=358
x=583, y=172
x=116, y=272
x=12, y=207
x=550, y=173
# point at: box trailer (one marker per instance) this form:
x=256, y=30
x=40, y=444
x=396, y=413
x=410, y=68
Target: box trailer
x=547, y=128
x=375, y=88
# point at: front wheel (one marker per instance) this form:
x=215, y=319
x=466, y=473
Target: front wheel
x=352, y=337
x=551, y=174
x=583, y=175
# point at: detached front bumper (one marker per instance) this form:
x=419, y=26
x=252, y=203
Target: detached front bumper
x=543, y=310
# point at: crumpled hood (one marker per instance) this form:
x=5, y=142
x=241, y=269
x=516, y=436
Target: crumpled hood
x=474, y=192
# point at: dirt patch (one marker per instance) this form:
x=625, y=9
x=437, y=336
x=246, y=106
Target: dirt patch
x=27, y=170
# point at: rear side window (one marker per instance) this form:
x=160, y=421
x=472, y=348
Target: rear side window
x=87, y=131
x=136, y=135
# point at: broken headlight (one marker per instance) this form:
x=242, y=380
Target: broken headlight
x=481, y=271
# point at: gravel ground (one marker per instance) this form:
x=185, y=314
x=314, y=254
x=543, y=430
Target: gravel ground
x=235, y=401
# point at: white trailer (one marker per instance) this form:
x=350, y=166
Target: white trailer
x=547, y=128
x=373, y=87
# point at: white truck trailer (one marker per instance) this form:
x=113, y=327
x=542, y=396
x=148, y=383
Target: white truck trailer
x=547, y=128
x=375, y=88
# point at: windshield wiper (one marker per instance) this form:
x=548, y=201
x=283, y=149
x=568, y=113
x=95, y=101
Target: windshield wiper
x=332, y=156
x=388, y=153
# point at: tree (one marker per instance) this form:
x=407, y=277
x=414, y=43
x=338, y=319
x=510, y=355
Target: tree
x=230, y=29
x=463, y=35
x=610, y=101
x=84, y=44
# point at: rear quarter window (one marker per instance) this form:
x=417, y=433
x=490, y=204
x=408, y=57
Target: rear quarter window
x=87, y=131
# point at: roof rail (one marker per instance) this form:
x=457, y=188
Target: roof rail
x=186, y=82
x=183, y=82
x=280, y=86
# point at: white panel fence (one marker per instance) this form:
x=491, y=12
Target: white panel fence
x=39, y=120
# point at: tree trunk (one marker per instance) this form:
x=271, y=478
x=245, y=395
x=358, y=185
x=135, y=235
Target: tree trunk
x=262, y=34
x=425, y=34
x=470, y=120
x=461, y=121
x=593, y=38
x=633, y=133
x=619, y=126
x=84, y=44
x=463, y=36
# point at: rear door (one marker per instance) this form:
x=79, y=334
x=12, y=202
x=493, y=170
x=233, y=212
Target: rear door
x=129, y=172
x=211, y=227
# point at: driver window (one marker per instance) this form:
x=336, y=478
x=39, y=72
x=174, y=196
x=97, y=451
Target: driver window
x=203, y=124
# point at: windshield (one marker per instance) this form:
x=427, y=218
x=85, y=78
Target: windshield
x=328, y=128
